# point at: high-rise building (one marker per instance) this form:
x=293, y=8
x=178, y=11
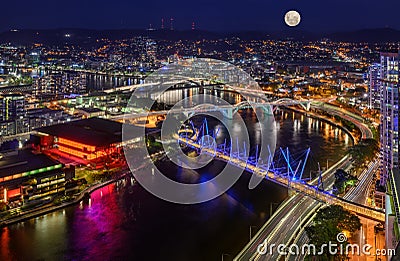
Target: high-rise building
x=389, y=132
x=12, y=107
x=60, y=85
x=389, y=93
x=12, y=114
x=48, y=85
x=374, y=87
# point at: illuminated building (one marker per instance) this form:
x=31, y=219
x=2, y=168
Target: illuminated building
x=34, y=57
x=389, y=86
x=374, y=92
x=27, y=176
x=12, y=114
x=389, y=132
x=89, y=139
x=12, y=107
x=42, y=117
x=59, y=85
x=34, y=118
x=91, y=112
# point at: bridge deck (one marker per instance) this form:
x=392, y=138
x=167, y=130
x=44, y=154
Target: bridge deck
x=299, y=186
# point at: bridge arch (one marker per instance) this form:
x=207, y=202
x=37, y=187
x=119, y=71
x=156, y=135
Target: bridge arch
x=287, y=101
x=227, y=112
x=266, y=107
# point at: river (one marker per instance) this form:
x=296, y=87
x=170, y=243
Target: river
x=125, y=222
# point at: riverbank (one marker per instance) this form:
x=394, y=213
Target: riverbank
x=326, y=120
x=48, y=209
x=36, y=212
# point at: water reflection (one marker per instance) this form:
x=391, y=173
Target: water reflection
x=93, y=81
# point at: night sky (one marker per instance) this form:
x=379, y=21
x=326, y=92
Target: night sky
x=215, y=15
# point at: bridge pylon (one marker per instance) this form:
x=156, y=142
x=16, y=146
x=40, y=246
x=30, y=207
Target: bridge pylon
x=228, y=113
x=308, y=106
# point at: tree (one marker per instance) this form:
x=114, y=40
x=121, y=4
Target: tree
x=328, y=223
x=364, y=151
x=343, y=180
x=3, y=206
x=339, y=217
x=321, y=234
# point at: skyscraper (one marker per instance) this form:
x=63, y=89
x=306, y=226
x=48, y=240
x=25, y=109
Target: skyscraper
x=389, y=93
x=12, y=107
x=12, y=114
x=389, y=87
x=374, y=86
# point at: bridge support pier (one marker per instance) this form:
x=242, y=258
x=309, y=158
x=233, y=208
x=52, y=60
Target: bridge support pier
x=228, y=113
x=268, y=110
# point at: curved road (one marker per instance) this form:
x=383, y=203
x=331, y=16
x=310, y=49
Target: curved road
x=289, y=220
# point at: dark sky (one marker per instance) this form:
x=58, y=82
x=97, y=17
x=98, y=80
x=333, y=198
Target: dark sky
x=217, y=15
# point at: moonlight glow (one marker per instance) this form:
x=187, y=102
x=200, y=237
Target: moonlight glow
x=292, y=18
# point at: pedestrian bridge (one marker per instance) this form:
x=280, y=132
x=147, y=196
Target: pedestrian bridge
x=298, y=185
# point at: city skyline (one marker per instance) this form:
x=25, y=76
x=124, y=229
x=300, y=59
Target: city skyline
x=224, y=130
x=211, y=16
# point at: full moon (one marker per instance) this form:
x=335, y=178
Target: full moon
x=292, y=18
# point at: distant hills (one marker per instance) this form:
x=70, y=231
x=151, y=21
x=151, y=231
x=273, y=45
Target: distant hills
x=379, y=35
x=88, y=36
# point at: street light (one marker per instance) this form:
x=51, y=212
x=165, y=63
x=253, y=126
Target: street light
x=327, y=163
x=224, y=255
x=250, y=231
x=271, y=205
